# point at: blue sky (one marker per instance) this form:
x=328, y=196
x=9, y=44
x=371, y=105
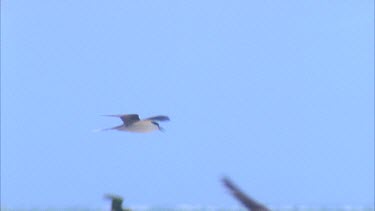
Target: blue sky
x=277, y=95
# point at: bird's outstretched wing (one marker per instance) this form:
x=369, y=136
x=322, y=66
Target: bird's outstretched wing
x=247, y=201
x=158, y=118
x=128, y=119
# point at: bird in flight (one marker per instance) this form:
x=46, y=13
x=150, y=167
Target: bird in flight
x=132, y=123
x=247, y=201
x=116, y=202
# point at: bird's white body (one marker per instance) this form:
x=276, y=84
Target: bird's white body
x=132, y=123
x=144, y=126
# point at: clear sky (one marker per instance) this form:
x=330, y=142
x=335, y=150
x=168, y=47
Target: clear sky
x=277, y=95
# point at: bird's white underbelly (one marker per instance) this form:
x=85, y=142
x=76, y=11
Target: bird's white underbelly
x=140, y=127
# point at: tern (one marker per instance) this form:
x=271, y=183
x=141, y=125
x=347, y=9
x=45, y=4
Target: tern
x=116, y=202
x=132, y=123
x=246, y=200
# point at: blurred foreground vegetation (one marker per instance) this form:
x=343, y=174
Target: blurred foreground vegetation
x=195, y=209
